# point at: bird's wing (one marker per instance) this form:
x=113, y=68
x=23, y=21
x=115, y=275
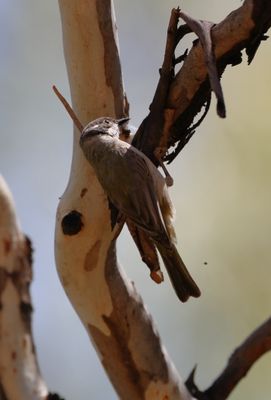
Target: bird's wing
x=129, y=184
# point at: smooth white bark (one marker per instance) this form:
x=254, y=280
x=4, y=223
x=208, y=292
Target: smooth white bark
x=19, y=373
x=106, y=302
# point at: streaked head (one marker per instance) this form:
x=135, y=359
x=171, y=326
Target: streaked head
x=103, y=126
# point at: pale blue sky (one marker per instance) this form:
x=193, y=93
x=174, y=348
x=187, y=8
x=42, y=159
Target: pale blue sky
x=222, y=195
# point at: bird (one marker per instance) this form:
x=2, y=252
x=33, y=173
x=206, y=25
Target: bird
x=139, y=192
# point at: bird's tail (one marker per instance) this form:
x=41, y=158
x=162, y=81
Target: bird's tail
x=181, y=279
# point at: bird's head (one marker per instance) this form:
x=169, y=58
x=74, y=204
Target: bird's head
x=103, y=126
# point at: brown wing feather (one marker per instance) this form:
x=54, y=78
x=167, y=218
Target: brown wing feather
x=129, y=184
x=139, y=201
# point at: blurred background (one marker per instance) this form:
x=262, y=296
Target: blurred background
x=222, y=195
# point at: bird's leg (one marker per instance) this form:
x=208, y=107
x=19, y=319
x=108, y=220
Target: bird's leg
x=158, y=154
x=169, y=179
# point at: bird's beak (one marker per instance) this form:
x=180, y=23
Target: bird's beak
x=91, y=130
x=122, y=121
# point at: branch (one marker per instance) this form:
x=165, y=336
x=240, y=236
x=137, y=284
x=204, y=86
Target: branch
x=240, y=362
x=257, y=344
x=20, y=378
x=107, y=303
x=70, y=111
x=189, y=89
x=151, y=132
x=203, y=29
x=243, y=28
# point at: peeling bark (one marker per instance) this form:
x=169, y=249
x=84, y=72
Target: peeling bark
x=189, y=89
x=242, y=29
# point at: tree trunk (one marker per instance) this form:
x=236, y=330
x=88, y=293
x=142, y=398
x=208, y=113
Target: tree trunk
x=107, y=303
